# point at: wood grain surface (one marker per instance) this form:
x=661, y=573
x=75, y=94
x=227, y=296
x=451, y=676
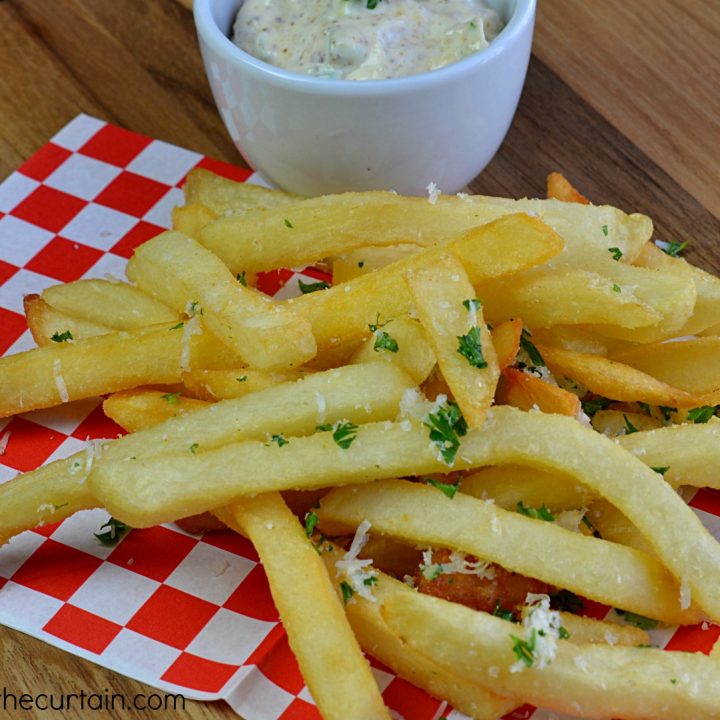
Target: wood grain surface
x=624, y=98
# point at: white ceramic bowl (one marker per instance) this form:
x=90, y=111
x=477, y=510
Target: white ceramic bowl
x=314, y=135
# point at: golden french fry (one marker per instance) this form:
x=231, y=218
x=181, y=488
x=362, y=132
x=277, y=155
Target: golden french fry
x=690, y=364
x=613, y=379
x=109, y=303
x=378, y=640
x=330, y=225
x=560, y=188
x=498, y=249
x=453, y=319
x=614, y=526
x=118, y=360
x=311, y=612
x=191, y=219
x=506, y=339
x=588, y=630
x=136, y=410
x=691, y=453
x=528, y=392
x=588, y=680
x=707, y=304
x=421, y=515
x=220, y=194
x=539, y=297
x=45, y=322
x=364, y=260
x=296, y=406
x=146, y=491
x=182, y=273
x=507, y=485
x=212, y=385
x=403, y=342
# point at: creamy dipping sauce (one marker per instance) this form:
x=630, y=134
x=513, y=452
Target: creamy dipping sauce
x=346, y=39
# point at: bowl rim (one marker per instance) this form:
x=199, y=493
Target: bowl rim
x=209, y=32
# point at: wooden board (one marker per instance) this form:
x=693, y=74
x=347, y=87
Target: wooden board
x=622, y=97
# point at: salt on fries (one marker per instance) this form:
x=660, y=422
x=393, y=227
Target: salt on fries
x=376, y=396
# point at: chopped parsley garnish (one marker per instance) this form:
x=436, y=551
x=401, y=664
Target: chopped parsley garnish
x=343, y=432
x=567, y=601
x=586, y=522
x=114, y=532
x=361, y=264
x=616, y=288
x=193, y=448
x=241, y=378
x=563, y=634
x=240, y=277
x=542, y=513
x=347, y=592
x=385, y=341
x=472, y=305
x=470, y=348
x=590, y=407
x=645, y=407
x=447, y=426
x=311, y=521
x=449, y=489
x=59, y=337
x=178, y=326
x=500, y=612
x=194, y=308
x=701, y=414
x=523, y=649
x=605, y=230
x=288, y=224
x=172, y=398
x=667, y=412
x=616, y=253
x=629, y=427
x=533, y=353
x=306, y=288
x=371, y=580
x=661, y=470
x=640, y=621
x=279, y=439
x=372, y=4
x=675, y=248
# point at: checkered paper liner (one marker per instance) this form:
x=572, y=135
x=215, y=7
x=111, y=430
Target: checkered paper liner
x=182, y=613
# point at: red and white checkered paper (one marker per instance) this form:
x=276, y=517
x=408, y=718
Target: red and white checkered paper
x=182, y=613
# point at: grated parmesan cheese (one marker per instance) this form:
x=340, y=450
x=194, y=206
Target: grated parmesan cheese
x=60, y=381
x=190, y=328
x=433, y=193
x=458, y=563
x=542, y=628
x=355, y=570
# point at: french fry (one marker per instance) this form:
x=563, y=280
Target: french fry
x=52, y=375
x=507, y=485
x=136, y=410
x=691, y=453
x=452, y=317
x=305, y=598
x=182, y=273
x=506, y=340
x=613, y=379
x=377, y=639
x=707, y=286
x=539, y=297
x=191, y=219
x=45, y=322
x=419, y=514
x=691, y=365
x=587, y=680
x=403, y=343
x=498, y=249
x=588, y=630
x=560, y=188
x=147, y=491
x=368, y=259
x=615, y=423
x=528, y=392
x=315, y=228
x=614, y=526
x=109, y=303
x=220, y=194
x=212, y=385
x=297, y=407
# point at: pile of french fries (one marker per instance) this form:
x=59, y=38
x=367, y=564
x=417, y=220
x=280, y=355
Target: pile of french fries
x=485, y=379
